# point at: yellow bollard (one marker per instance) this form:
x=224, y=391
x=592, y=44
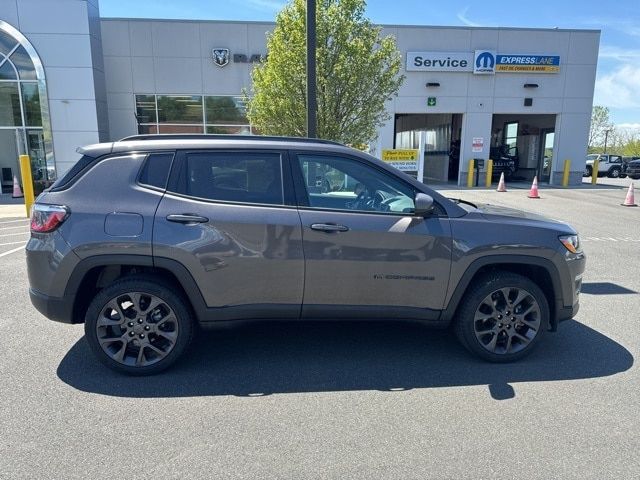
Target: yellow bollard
x=27, y=182
x=489, y=173
x=594, y=171
x=565, y=174
x=470, y=174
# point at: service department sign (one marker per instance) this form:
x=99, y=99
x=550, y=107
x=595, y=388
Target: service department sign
x=481, y=62
x=484, y=62
x=528, y=63
x=439, y=62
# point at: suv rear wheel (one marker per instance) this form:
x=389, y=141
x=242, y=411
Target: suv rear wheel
x=138, y=326
x=614, y=172
x=503, y=317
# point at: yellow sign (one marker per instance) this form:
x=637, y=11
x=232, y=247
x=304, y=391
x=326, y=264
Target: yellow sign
x=528, y=68
x=405, y=160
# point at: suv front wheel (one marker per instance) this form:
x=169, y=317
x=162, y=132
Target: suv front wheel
x=138, y=326
x=503, y=317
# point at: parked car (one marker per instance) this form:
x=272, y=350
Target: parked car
x=505, y=160
x=625, y=164
x=633, y=168
x=609, y=165
x=145, y=237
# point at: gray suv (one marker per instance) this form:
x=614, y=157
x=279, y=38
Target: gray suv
x=146, y=238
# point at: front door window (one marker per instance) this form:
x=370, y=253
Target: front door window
x=347, y=184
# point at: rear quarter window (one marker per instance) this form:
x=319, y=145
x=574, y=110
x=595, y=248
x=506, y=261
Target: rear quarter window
x=155, y=171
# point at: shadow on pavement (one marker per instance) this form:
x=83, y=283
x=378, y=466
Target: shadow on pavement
x=604, y=288
x=266, y=358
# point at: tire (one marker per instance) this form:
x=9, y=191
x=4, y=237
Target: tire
x=478, y=335
x=614, y=172
x=138, y=314
x=635, y=177
x=587, y=171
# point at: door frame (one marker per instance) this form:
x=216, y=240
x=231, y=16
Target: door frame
x=539, y=170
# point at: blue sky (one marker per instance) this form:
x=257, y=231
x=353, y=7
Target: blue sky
x=618, y=80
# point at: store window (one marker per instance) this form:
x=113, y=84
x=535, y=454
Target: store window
x=511, y=134
x=25, y=127
x=192, y=114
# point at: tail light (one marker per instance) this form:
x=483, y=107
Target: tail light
x=46, y=218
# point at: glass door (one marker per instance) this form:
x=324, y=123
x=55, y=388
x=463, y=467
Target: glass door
x=546, y=155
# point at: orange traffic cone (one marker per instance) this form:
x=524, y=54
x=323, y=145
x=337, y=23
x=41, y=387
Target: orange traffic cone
x=533, y=193
x=630, y=200
x=501, y=186
x=17, y=193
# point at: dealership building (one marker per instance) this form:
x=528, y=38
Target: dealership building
x=68, y=78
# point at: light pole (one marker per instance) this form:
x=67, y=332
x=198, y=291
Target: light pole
x=312, y=103
x=606, y=137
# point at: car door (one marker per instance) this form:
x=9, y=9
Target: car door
x=229, y=217
x=366, y=254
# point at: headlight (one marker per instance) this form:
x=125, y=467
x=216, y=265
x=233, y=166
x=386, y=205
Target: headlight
x=571, y=243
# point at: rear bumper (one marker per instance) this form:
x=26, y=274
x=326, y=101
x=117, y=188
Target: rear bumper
x=59, y=309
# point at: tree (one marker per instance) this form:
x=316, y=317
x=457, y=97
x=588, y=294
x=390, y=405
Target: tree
x=600, y=123
x=357, y=72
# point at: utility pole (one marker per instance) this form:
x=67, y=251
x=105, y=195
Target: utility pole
x=606, y=137
x=312, y=103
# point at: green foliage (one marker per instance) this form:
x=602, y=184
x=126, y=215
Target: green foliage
x=632, y=148
x=357, y=72
x=600, y=123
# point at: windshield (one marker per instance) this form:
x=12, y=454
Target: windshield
x=593, y=156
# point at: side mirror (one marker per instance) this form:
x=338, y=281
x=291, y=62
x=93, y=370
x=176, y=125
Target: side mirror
x=423, y=204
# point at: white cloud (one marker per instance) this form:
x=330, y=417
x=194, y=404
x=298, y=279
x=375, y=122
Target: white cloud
x=619, y=89
x=629, y=127
x=462, y=16
x=619, y=54
x=627, y=26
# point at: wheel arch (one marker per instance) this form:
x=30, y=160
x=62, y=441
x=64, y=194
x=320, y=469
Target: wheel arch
x=94, y=273
x=539, y=270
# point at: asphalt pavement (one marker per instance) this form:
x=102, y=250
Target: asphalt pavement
x=340, y=400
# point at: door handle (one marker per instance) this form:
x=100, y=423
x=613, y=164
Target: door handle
x=186, y=218
x=329, y=227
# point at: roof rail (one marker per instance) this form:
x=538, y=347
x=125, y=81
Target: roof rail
x=191, y=136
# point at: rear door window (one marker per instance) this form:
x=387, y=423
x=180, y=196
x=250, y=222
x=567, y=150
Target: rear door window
x=242, y=177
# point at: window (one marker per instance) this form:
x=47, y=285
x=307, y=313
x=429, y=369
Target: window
x=222, y=114
x=346, y=184
x=226, y=111
x=156, y=170
x=24, y=107
x=233, y=177
x=179, y=109
x=511, y=134
x=10, y=105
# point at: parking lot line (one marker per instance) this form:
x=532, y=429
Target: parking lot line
x=12, y=251
x=25, y=220
x=2, y=229
x=13, y=234
x=11, y=243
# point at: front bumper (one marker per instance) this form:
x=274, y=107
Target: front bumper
x=568, y=305
x=59, y=309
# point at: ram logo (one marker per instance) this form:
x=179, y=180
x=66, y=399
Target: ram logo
x=220, y=56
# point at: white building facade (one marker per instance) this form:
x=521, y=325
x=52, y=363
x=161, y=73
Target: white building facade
x=522, y=97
